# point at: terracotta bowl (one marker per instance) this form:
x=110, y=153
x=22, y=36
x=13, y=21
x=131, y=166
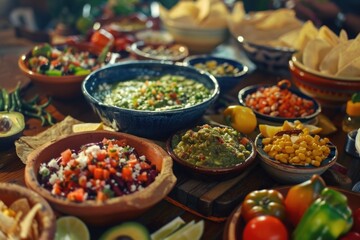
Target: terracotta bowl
x=286, y=173
x=62, y=87
x=45, y=217
x=115, y=209
x=326, y=89
x=211, y=173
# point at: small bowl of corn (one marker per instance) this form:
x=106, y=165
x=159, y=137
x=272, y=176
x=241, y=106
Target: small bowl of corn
x=292, y=153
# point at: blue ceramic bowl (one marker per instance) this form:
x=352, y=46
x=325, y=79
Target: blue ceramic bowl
x=149, y=124
x=286, y=173
x=263, y=118
x=226, y=83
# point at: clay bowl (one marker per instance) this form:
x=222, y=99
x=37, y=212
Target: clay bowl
x=45, y=216
x=207, y=172
x=328, y=90
x=113, y=209
x=62, y=87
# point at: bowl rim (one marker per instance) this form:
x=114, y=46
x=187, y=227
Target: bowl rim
x=45, y=78
x=168, y=38
x=295, y=60
x=166, y=172
x=113, y=22
x=215, y=91
x=135, y=48
x=325, y=164
x=199, y=29
x=208, y=170
x=48, y=223
x=241, y=39
x=252, y=88
x=205, y=57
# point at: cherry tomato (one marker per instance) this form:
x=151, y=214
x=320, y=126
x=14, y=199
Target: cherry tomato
x=265, y=228
x=101, y=37
x=351, y=236
x=356, y=226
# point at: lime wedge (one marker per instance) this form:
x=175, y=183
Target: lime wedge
x=71, y=228
x=168, y=229
x=191, y=231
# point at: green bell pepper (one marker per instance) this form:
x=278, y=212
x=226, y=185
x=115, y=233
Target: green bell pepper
x=54, y=72
x=42, y=50
x=327, y=218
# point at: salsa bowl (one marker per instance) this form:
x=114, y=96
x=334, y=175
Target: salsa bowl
x=45, y=217
x=202, y=151
x=149, y=121
x=112, y=209
x=54, y=82
x=288, y=173
x=227, y=72
x=312, y=107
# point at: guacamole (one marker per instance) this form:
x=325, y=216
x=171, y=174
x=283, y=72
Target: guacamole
x=209, y=146
x=157, y=94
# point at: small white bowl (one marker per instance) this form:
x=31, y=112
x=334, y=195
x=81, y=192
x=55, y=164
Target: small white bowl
x=286, y=173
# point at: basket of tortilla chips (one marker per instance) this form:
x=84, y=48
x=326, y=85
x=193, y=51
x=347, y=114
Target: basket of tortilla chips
x=200, y=25
x=327, y=66
x=24, y=214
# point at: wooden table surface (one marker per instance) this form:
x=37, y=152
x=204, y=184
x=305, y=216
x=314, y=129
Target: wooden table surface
x=12, y=169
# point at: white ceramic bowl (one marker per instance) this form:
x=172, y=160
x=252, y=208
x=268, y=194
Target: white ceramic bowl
x=286, y=173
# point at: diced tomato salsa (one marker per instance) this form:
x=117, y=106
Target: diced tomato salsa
x=97, y=171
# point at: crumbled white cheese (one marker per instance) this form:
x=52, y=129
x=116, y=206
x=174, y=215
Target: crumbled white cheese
x=142, y=158
x=53, y=178
x=133, y=188
x=93, y=150
x=82, y=160
x=53, y=163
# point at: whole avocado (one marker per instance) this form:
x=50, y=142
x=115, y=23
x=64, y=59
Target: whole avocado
x=127, y=231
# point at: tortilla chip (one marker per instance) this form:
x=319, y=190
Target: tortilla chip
x=329, y=64
x=351, y=52
x=20, y=205
x=277, y=19
x=350, y=70
x=289, y=38
x=327, y=35
x=314, y=52
x=343, y=36
x=26, y=144
x=307, y=33
x=204, y=9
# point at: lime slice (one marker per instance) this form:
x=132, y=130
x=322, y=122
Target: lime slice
x=82, y=127
x=168, y=229
x=71, y=228
x=190, y=231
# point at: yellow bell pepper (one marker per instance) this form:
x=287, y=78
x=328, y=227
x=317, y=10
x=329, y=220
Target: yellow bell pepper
x=240, y=118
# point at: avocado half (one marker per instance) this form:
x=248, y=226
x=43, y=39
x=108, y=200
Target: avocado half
x=12, y=125
x=127, y=231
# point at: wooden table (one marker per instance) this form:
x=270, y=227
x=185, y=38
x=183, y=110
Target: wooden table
x=12, y=169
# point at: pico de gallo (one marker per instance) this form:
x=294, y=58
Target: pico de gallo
x=53, y=61
x=98, y=171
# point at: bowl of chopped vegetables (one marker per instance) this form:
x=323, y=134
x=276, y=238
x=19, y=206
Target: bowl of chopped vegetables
x=294, y=155
x=59, y=69
x=150, y=99
x=102, y=177
x=278, y=103
x=227, y=72
x=25, y=214
x=212, y=151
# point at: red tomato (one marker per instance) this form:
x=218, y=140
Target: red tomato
x=351, y=236
x=101, y=37
x=265, y=228
x=356, y=226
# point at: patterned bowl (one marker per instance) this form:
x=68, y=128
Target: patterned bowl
x=286, y=173
x=328, y=90
x=145, y=123
x=272, y=59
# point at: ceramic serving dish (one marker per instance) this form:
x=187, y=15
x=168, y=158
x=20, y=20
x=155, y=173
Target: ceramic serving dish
x=114, y=209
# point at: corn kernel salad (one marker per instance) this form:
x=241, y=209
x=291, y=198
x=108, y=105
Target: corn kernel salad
x=97, y=171
x=297, y=147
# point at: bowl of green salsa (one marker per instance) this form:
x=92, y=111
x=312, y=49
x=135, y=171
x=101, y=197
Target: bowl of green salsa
x=212, y=150
x=150, y=99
